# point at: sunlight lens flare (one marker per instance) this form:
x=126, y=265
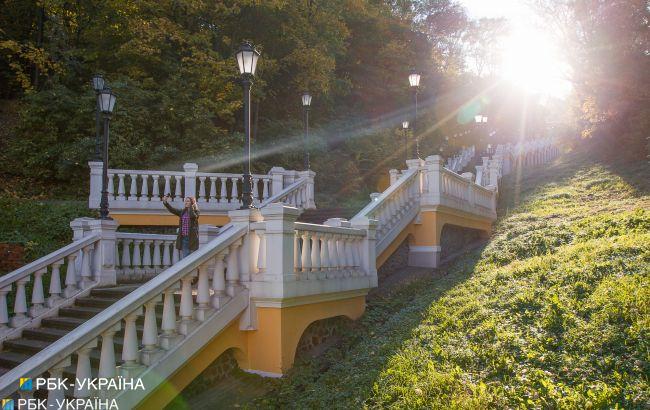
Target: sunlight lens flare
x=532, y=62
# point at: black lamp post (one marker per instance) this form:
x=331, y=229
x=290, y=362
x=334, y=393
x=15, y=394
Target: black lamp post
x=414, y=82
x=306, y=103
x=405, y=130
x=247, y=61
x=98, y=86
x=105, y=103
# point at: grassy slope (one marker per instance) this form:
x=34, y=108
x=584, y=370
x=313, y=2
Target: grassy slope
x=553, y=312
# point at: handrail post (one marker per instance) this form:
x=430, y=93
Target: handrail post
x=368, y=248
x=105, y=256
x=95, y=184
x=247, y=261
x=433, y=168
x=207, y=233
x=190, y=169
x=279, y=236
x=277, y=180
x=309, y=176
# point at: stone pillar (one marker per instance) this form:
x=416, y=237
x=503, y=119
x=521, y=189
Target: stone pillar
x=248, y=252
x=105, y=256
x=95, y=195
x=433, y=168
x=279, y=234
x=369, y=249
x=190, y=179
x=277, y=180
x=394, y=175
x=309, y=176
x=207, y=233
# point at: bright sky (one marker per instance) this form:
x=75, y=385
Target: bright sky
x=530, y=59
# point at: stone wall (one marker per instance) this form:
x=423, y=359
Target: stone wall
x=399, y=259
x=221, y=368
x=454, y=239
x=320, y=334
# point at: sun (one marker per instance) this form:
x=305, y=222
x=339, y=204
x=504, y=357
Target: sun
x=531, y=61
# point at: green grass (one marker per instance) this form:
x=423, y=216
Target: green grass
x=554, y=312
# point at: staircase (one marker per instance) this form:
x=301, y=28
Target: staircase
x=51, y=329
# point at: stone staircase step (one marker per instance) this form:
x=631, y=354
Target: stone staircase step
x=44, y=333
x=11, y=359
x=98, y=302
x=22, y=345
x=117, y=292
x=67, y=323
x=79, y=312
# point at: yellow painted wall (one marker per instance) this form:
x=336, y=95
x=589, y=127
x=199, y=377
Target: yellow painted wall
x=166, y=220
x=271, y=348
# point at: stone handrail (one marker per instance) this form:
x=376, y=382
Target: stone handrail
x=394, y=208
x=296, y=195
x=80, y=274
x=205, y=262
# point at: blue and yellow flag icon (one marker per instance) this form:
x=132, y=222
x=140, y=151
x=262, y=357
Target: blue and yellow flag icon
x=25, y=384
x=7, y=404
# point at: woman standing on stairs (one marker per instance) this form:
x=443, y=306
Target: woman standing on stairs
x=187, y=240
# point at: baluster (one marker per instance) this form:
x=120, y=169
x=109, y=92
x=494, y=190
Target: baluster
x=254, y=190
x=146, y=256
x=296, y=252
x=349, y=259
x=265, y=190
x=223, y=196
x=157, y=261
x=155, y=192
x=334, y=255
x=178, y=189
x=325, y=252
x=55, y=284
x=133, y=189
x=166, y=259
x=130, y=368
x=186, y=324
x=120, y=187
x=56, y=396
x=341, y=253
x=126, y=255
x=232, y=271
x=176, y=254
x=261, y=254
x=356, y=254
x=86, y=274
x=305, y=257
x=203, y=310
x=84, y=371
x=107, y=367
x=168, y=184
x=4, y=311
x=235, y=194
x=110, y=187
x=38, y=299
x=213, y=189
x=144, y=190
x=71, y=276
x=315, y=252
x=137, y=260
x=219, y=281
x=170, y=336
x=202, y=197
x=150, y=351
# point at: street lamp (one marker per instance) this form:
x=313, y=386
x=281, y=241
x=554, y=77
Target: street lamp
x=105, y=103
x=247, y=61
x=98, y=86
x=414, y=82
x=405, y=128
x=306, y=103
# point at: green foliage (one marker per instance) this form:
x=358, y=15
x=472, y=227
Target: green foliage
x=552, y=313
x=41, y=226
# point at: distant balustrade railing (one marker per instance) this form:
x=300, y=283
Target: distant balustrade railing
x=297, y=195
x=143, y=190
x=140, y=256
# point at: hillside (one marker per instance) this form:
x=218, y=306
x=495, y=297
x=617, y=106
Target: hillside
x=552, y=313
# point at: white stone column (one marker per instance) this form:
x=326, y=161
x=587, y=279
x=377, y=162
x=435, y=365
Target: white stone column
x=309, y=176
x=248, y=254
x=394, y=175
x=190, y=178
x=106, y=259
x=277, y=179
x=433, y=169
x=280, y=231
x=95, y=195
x=368, y=251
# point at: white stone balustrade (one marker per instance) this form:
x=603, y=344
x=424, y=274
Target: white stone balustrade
x=144, y=255
x=142, y=190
